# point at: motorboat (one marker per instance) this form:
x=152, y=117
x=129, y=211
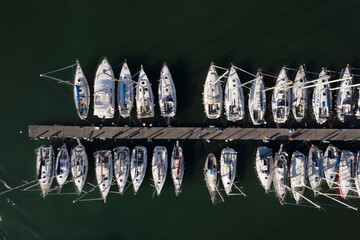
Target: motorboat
x=314, y=168
x=167, y=93
x=298, y=175
x=331, y=165
x=45, y=167
x=211, y=176
x=281, y=174
x=104, y=90
x=138, y=166
x=177, y=167
x=62, y=166
x=234, y=97
x=257, y=100
x=264, y=166
x=345, y=96
x=212, y=95
x=121, y=166
x=144, y=97
x=125, y=92
x=228, y=161
x=159, y=166
x=104, y=170
x=79, y=167
x=81, y=93
x=299, y=95
x=281, y=98
x=346, y=173
x=321, y=101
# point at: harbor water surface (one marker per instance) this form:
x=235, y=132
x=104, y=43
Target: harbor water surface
x=39, y=36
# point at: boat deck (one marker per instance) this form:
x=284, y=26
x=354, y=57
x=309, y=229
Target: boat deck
x=194, y=133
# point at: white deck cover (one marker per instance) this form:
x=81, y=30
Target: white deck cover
x=121, y=166
x=281, y=98
x=159, y=166
x=79, y=167
x=257, y=100
x=144, y=96
x=125, y=92
x=234, y=97
x=167, y=93
x=212, y=95
x=264, y=166
x=104, y=170
x=228, y=163
x=45, y=167
x=62, y=168
x=298, y=174
x=299, y=95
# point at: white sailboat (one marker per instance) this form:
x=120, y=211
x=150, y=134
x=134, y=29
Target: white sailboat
x=299, y=95
x=234, y=97
x=264, y=166
x=281, y=98
x=321, y=101
x=345, y=96
x=104, y=90
x=45, y=167
x=228, y=163
x=177, y=167
x=62, y=166
x=167, y=93
x=357, y=112
x=144, y=97
x=331, y=165
x=212, y=95
x=257, y=100
x=138, y=166
x=125, y=93
x=79, y=167
x=104, y=170
x=211, y=176
x=281, y=174
x=314, y=168
x=121, y=166
x=81, y=93
x=159, y=167
x=346, y=172
x=298, y=174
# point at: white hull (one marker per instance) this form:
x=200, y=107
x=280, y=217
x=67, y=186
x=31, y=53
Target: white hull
x=257, y=100
x=104, y=91
x=281, y=174
x=345, y=96
x=234, y=97
x=299, y=95
x=314, y=168
x=321, y=101
x=264, y=166
x=212, y=95
x=228, y=163
x=125, y=92
x=104, y=170
x=62, y=168
x=331, y=165
x=121, y=166
x=298, y=174
x=144, y=97
x=357, y=173
x=81, y=93
x=159, y=167
x=45, y=167
x=177, y=167
x=167, y=93
x=138, y=166
x=211, y=176
x=79, y=167
x=281, y=98
x=346, y=168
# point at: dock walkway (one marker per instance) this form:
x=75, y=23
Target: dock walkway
x=194, y=133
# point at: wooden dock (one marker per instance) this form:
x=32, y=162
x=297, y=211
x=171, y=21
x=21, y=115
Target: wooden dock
x=194, y=133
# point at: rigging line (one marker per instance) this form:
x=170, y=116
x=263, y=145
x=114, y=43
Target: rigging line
x=61, y=91
x=293, y=69
x=243, y=70
x=58, y=70
x=357, y=75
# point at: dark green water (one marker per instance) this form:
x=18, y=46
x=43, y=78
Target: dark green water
x=39, y=36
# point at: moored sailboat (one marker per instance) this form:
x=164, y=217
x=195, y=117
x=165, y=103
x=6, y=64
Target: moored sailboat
x=212, y=95
x=125, y=93
x=299, y=95
x=234, y=97
x=281, y=174
x=331, y=165
x=264, y=166
x=314, y=169
x=281, y=98
x=79, y=167
x=138, y=166
x=228, y=163
x=177, y=167
x=321, y=101
x=298, y=174
x=104, y=90
x=167, y=93
x=159, y=167
x=45, y=167
x=257, y=100
x=345, y=96
x=121, y=166
x=346, y=173
x=62, y=166
x=103, y=170
x=211, y=176
x=81, y=93
x=144, y=97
